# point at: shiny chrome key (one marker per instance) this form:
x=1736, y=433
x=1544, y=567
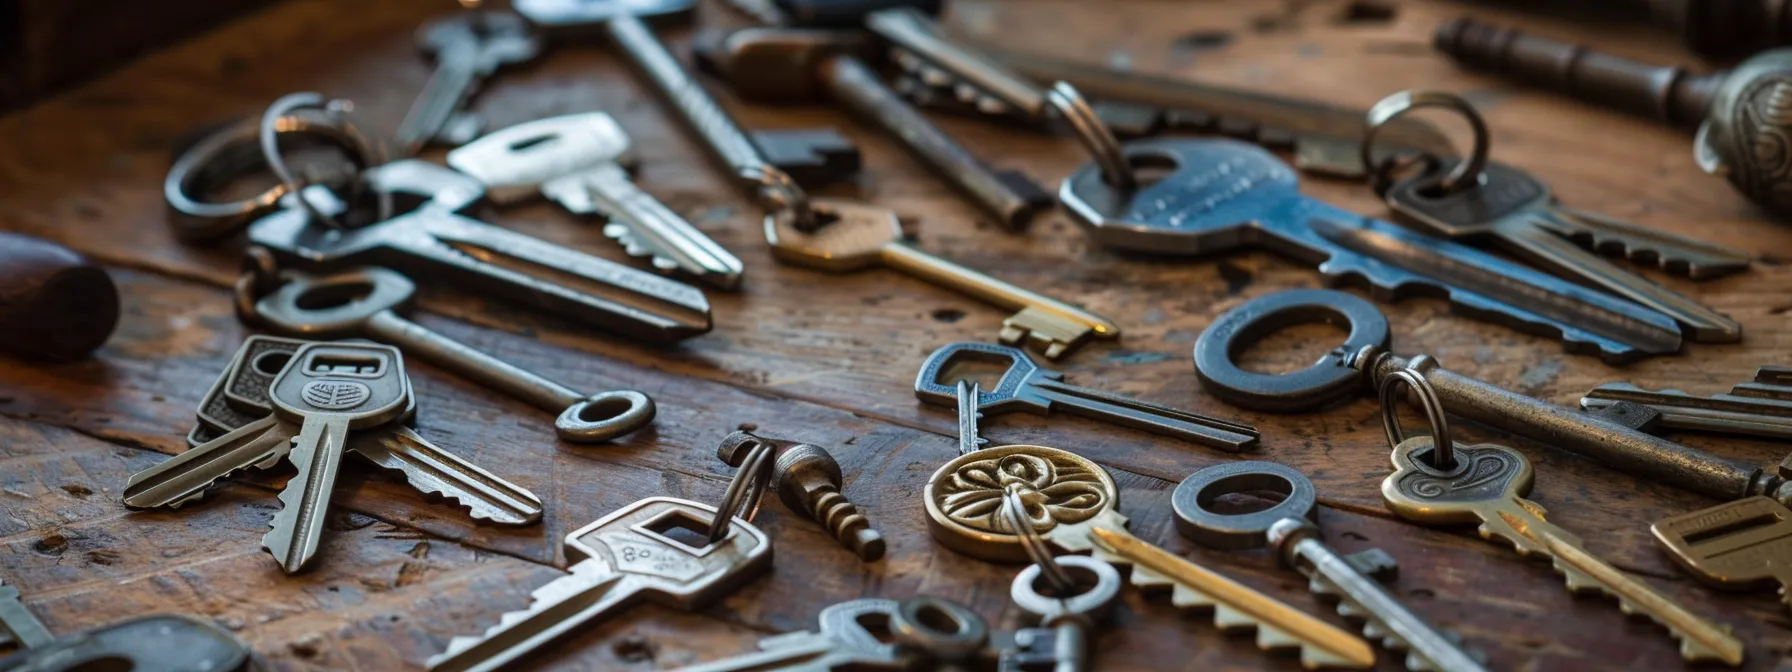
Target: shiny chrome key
x=845, y=641
x=626, y=557
x=329, y=390
x=468, y=47
x=860, y=236
x=582, y=162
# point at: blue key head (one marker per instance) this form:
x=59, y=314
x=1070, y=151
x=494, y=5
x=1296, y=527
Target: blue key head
x=1211, y=195
x=1010, y=393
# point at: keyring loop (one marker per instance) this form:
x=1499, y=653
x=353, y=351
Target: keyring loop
x=233, y=150
x=1444, y=453
x=743, y=491
x=1094, y=135
x=273, y=122
x=1030, y=540
x=1391, y=107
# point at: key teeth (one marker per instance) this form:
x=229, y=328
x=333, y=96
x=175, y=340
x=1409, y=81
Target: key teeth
x=1226, y=619
x=1587, y=230
x=1376, y=630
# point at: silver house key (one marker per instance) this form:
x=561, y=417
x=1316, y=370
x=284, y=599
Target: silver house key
x=468, y=47
x=651, y=550
x=581, y=161
x=843, y=642
x=434, y=241
x=1762, y=407
x=1221, y=195
x=329, y=390
x=1288, y=529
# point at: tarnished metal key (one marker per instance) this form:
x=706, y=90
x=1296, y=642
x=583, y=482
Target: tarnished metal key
x=1486, y=485
x=329, y=390
x=581, y=162
x=626, y=557
x=861, y=236
x=844, y=641
x=1737, y=545
x=1288, y=528
x=1026, y=387
x=1061, y=639
x=1518, y=212
x=1762, y=407
x=1221, y=195
x=468, y=47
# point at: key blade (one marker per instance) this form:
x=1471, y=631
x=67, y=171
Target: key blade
x=185, y=477
x=1700, y=640
x=449, y=85
x=17, y=622
x=1670, y=252
x=910, y=30
x=1384, y=619
x=661, y=231
x=1235, y=606
x=295, y=531
x=589, y=589
x=1726, y=413
x=434, y=471
x=1162, y=420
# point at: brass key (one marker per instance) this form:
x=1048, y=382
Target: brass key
x=861, y=235
x=1735, y=545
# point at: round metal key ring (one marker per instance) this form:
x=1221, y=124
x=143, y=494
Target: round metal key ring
x=1035, y=546
x=1387, y=109
x=233, y=150
x=1203, y=525
x=1330, y=380
x=1089, y=598
x=743, y=492
x=1095, y=136
x=1444, y=456
x=272, y=122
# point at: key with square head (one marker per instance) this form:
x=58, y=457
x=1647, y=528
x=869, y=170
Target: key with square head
x=1740, y=545
x=468, y=47
x=853, y=635
x=1220, y=195
x=1026, y=387
x=1485, y=485
x=367, y=303
x=581, y=162
x=1061, y=640
x=860, y=236
x=433, y=241
x=652, y=550
x=1287, y=528
x=1762, y=407
x=329, y=390
x=1517, y=212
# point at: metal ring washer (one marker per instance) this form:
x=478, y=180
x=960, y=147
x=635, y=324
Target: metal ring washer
x=1387, y=109
x=743, y=492
x=1202, y=525
x=1095, y=135
x=1091, y=603
x=1444, y=455
x=234, y=150
x=637, y=410
x=1330, y=380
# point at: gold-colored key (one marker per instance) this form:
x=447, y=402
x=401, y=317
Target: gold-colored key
x=1736, y=545
x=1486, y=484
x=861, y=235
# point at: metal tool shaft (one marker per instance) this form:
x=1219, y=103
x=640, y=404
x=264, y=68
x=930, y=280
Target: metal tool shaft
x=469, y=362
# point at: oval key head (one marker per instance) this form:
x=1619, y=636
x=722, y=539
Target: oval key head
x=853, y=237
x=365, y=381
x=1194, y=501
x=576, y=13
x=514, y=162
x=1483, y=473
x=1062, y=490
x=1500, y=191
x=1100, y=580
x=946, y=630
x=1210, y=198
x=333, y=306
x=932, y=386
x=1326, y=382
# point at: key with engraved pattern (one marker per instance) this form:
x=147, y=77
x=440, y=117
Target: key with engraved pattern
x=1486, y=484
x=1514, y=210
x=652, y=550
x=861, y=236
x=1221, y=195
x=1739, y=545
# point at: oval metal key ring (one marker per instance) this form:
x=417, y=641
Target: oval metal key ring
x=236, y=149
x=1201, y=524
x=1330, y=380
x=1387, y=109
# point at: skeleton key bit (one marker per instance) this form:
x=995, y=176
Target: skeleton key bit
x=861, y=236
x=1221, y=195
x=844, y=641
x=468, y=46
x=624, y=558
x=375, y=298
x=582, y=162
x=1759, y=408
x=1287, y=527
x=1026, y=387
x=434, y=241
x=1735, y=545
x=1487, y=485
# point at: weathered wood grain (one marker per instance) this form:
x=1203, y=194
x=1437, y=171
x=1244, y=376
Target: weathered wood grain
x=86, y=169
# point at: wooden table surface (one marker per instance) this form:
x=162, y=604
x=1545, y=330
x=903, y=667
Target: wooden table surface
x=827, y=360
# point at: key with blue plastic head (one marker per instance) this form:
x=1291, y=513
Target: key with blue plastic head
x=1221, y=195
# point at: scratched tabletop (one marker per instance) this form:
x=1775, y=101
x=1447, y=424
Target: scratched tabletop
x=830, y=360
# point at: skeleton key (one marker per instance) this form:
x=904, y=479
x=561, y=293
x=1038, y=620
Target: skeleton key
x=1287, y=527
x=862, y=235
x=845, y=640
x=330, y=390
x=434, y=241
x=1486, y=484
x=580, y=161
x=1062, y=638
x=1223, y=194
x=377, y=297
x=1735, y=545
x=1026, y=387
x=1759, y=408
x=626, y=557
x=1521, y=215
x=468, y=46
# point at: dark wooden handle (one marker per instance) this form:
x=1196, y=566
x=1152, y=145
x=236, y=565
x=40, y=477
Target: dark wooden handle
x=54, y=303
